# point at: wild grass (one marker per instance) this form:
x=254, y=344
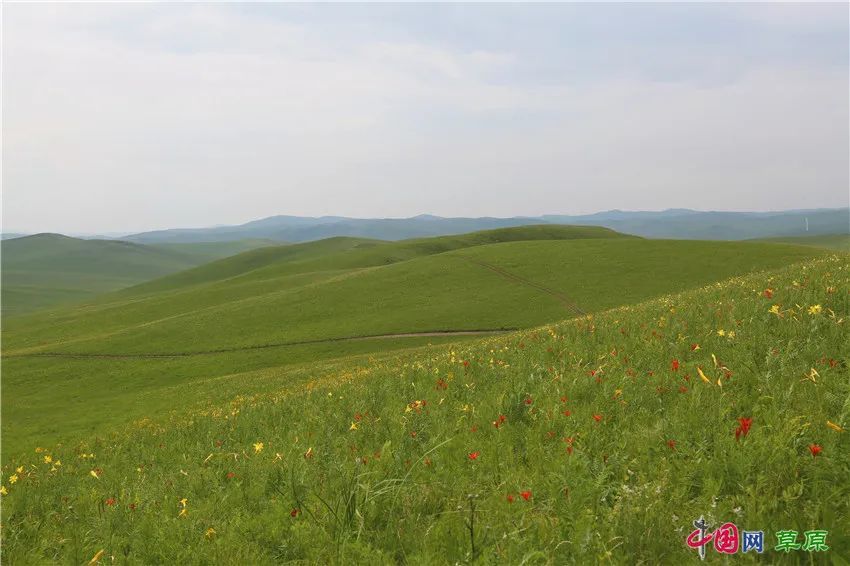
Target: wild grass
x=597, y=439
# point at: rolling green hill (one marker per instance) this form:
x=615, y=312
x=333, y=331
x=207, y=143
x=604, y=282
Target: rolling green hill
x=286, y=306
x=46, y=270
x=838, y=242
x=595, y=439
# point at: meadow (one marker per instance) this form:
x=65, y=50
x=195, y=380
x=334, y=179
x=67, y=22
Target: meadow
x=595, y=439
x=275, y=307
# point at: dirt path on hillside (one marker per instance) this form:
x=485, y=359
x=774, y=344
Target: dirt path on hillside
x=435, y=333
x=568, y=303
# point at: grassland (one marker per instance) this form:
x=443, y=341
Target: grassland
x=46, y=270
x=291, y=305
x=837, y=242
x=595, y=439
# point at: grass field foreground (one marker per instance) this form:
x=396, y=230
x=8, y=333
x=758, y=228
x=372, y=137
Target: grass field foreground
x=595, y=439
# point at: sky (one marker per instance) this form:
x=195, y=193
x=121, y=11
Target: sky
x=130, y=117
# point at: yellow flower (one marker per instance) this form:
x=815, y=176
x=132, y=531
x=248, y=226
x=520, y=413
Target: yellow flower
x=3, y=490
x=184, y=502
x=57, y=463
x=19, y=469
x=353, y=426
x=834, y=426
x=94, y=474
x=258, y=447
x=815, y=309
x=731, y=334
x=183, y=512
x=48, y=459
x=39, y=450
x=13, y=478
x=210, y=533
x=721, y=332
x=774, y=310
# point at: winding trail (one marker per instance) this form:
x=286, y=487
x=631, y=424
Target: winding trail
x=174, y=355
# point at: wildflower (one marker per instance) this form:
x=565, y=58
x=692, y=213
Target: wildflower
x=96, y=473
x=309, y=453
x=48, y=459
x=597, y=418
x=258, y=447
x=528, y=401
x=110, y=501
x=19, y=469
x=526, y=495
x=721, y=332
x=353, y=426
x=13, y=478
x=510, y=498
x=295, y=511
x=671, y=444
x=768, y=293
x=834, y=426
x=500, y=421
x=674, y=365
x=694, y=347
x=815, y=449
x=183, y=512
x=743, y=427
x=132, y=506
x=57, y=463
x=815, y=309
x=774, y=310
x=3, y=490
x=474, y=455
x=184, y=502
x=231, y=475
x=209, y=533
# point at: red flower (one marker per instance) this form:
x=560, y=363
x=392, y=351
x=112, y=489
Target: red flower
x=231, y=475
x=567, y=413
x=564, y=399
x=525, y=495
x=743, y=427
x=294, y=512
x=474, y=455
x=597, y=418
x=110, y=501
x=683, y=389
x=500, y=421
x=528, y=401
x=815, y=449
x=412, y=434
x=510, y=498
x=694, y=347
x=768, y=293
x=132, y=506
x=674, y=365
x=671, y=444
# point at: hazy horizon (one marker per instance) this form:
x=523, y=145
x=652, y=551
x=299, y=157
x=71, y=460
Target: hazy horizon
x=123, y=118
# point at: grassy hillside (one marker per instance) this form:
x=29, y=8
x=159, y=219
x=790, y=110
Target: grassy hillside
x=596, y=439
x=139, y=344
x=46, y=270
x=838, y=242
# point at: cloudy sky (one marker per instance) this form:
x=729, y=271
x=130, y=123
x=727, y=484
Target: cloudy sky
x=127, y=117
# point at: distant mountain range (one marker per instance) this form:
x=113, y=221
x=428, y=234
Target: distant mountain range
x=672, y=223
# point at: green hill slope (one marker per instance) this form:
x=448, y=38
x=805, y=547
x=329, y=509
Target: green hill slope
x=839, y=242
x=133, y=346
x=594, y=439
x=46, y=270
